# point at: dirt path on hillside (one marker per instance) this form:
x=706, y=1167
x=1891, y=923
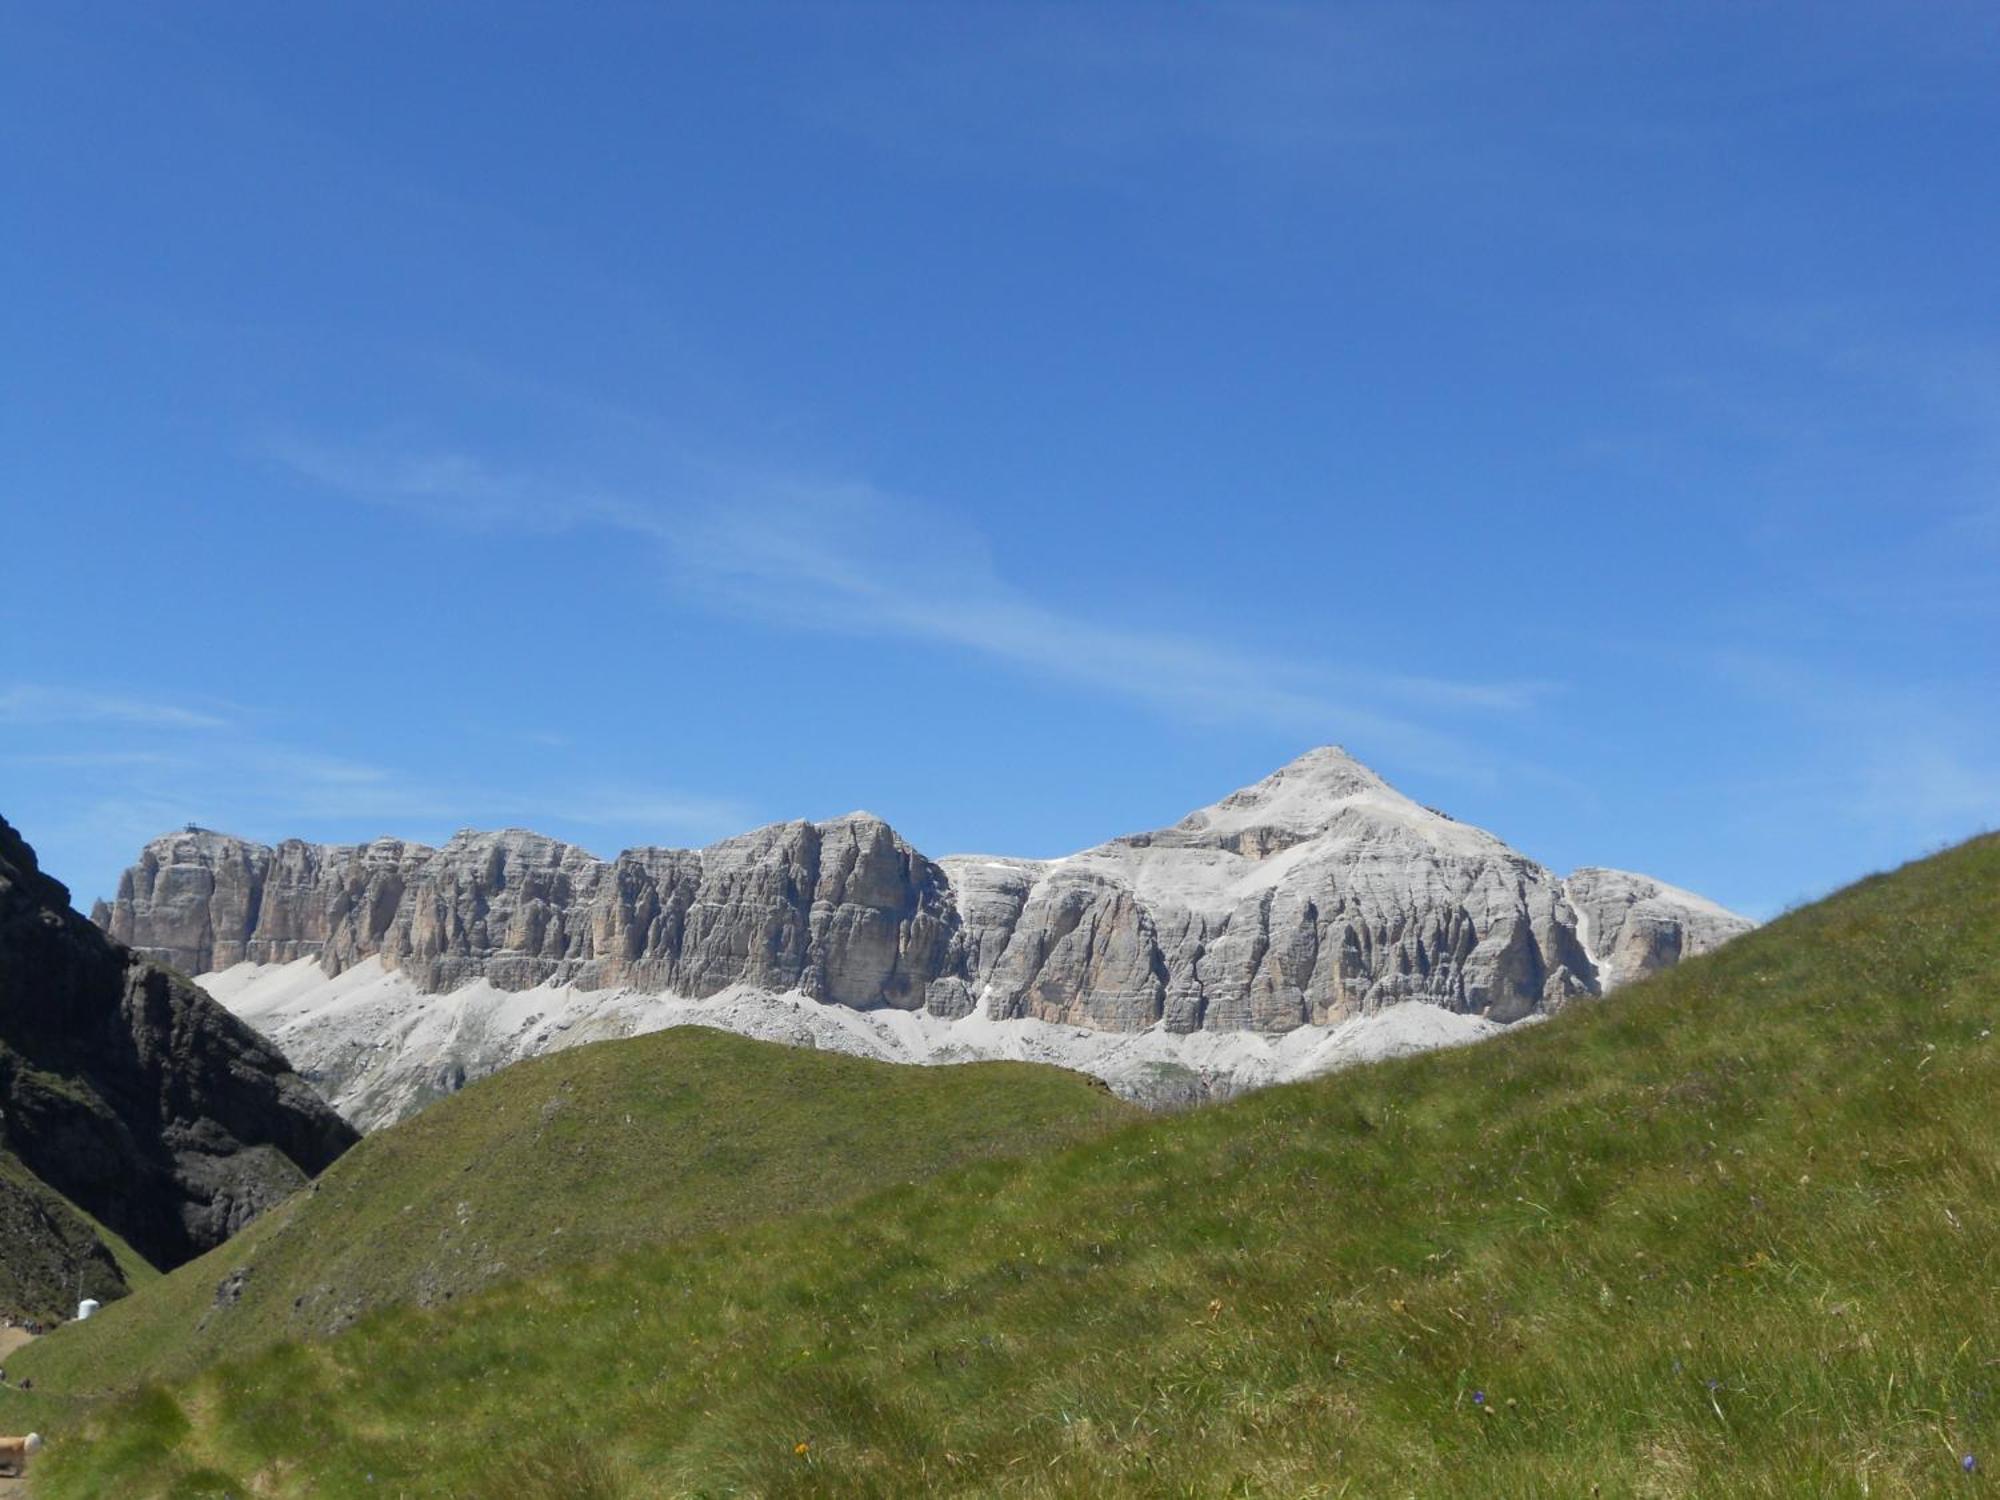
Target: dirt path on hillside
x=10, y=1340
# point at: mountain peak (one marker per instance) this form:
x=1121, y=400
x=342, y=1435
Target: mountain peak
x=1303, y=795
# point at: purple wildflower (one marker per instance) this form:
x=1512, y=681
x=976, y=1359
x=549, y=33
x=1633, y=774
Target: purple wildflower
x=1969, y=1464
x=1479, y=1398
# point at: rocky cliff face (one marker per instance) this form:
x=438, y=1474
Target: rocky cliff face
x=1634, y=926
x=1315, y=897
x=843, y=911
x=1317, y=894
x=129, y=1091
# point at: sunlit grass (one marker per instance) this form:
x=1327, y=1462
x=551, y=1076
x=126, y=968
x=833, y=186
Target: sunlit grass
x=568, y=1159
x=1734, y=1233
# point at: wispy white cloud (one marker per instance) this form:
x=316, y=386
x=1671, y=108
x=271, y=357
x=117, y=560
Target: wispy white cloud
x=848, y=558
x=1914, y=756
x=1943, y=789
x=1429, y=97
x=1500, y=696
x=548, y=739
x=103, y=774
x=629, y=807
x=1087, y=87
x=454, y=488
x=74, y=760
x=277, y=789
x=99, y=804
x=38, y=704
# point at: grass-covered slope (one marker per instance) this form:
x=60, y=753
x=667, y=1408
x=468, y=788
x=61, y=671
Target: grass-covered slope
x=565, y=1159
x=52, y=1253
x=1734, y=1233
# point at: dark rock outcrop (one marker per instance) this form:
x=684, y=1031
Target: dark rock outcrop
x=51, y=1256
x=127, y=1090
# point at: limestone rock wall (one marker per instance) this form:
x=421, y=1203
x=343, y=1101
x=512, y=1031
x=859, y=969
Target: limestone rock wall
x=1316, y=895
x=1637, y=926
x=844, y=911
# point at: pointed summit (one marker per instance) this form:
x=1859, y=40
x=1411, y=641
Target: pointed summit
x=1303, y=796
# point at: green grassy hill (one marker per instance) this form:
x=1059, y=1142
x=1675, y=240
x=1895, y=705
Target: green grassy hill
x=1735, y=1233
x=52, y=1253
x=565, y=1159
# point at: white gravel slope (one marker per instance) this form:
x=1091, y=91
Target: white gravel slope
x=380, y=1049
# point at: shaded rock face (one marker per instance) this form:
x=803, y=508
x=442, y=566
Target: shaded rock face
x=1317, y=895
x=127, y=1090
x=51, y=1257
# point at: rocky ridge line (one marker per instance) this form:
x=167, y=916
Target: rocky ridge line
x=1314, y=896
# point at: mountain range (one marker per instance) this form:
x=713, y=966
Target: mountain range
x=1314, y=918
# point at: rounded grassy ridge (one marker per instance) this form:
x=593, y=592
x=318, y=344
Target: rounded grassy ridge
x=1730, y=1233
x=563, y=1160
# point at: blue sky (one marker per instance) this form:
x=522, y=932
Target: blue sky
x=1026, y=422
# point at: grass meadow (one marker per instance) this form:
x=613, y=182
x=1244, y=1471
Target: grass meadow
x=1734, y=1233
